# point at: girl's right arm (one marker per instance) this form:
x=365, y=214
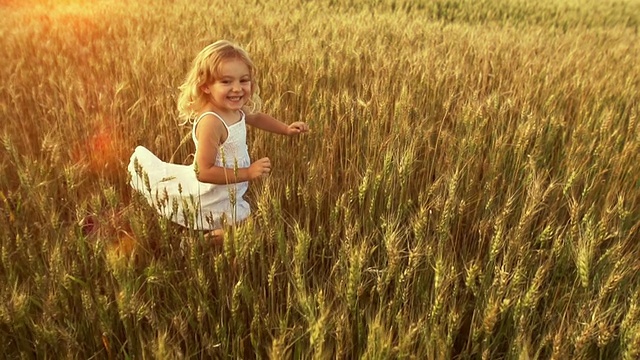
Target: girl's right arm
x=209, y=134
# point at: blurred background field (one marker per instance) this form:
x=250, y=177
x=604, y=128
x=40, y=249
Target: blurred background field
x=470, y=188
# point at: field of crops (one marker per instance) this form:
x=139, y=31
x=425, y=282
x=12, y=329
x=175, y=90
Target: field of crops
x=470, y=188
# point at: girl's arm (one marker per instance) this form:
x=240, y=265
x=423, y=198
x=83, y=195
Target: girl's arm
x=270, y=124
x=209, y=134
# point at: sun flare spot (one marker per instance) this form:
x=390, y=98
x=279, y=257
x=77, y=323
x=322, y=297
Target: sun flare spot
x=102, y=152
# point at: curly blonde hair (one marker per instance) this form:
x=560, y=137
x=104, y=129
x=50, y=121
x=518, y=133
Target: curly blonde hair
x=205, y=70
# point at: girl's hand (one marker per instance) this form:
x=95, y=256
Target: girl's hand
x=260, y=168
x=297, y=127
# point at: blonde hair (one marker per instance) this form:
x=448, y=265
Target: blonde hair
x=205, y=70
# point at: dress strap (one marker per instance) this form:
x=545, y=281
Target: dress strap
x=195, y=124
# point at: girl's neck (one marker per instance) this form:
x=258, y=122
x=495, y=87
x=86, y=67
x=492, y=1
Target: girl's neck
x=230, y=117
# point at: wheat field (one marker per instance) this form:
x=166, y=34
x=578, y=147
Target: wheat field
x=470, y=188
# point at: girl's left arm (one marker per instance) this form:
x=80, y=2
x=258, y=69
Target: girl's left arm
x=270, y=124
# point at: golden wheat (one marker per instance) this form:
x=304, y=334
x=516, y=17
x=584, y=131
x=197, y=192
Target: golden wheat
x=469, y=188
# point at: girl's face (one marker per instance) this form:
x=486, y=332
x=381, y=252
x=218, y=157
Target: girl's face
x=232, y=88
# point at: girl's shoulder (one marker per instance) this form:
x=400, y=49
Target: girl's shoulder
x=208, y=124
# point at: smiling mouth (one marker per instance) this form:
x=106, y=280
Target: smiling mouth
x=234, y=98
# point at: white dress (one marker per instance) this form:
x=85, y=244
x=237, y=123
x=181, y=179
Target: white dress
x=175, y=192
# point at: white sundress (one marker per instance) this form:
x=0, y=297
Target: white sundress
x=175, y=192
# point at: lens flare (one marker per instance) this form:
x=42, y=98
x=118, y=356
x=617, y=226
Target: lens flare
x=103, y=152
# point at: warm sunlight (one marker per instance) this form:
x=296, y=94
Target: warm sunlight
x=60, y=11
x=469, y=189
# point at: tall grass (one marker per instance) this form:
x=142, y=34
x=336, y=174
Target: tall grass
x=469, y=189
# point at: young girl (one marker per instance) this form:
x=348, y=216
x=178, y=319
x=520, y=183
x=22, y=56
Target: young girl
x=216, y=96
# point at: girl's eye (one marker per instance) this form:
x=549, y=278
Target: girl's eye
x=245, y=81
